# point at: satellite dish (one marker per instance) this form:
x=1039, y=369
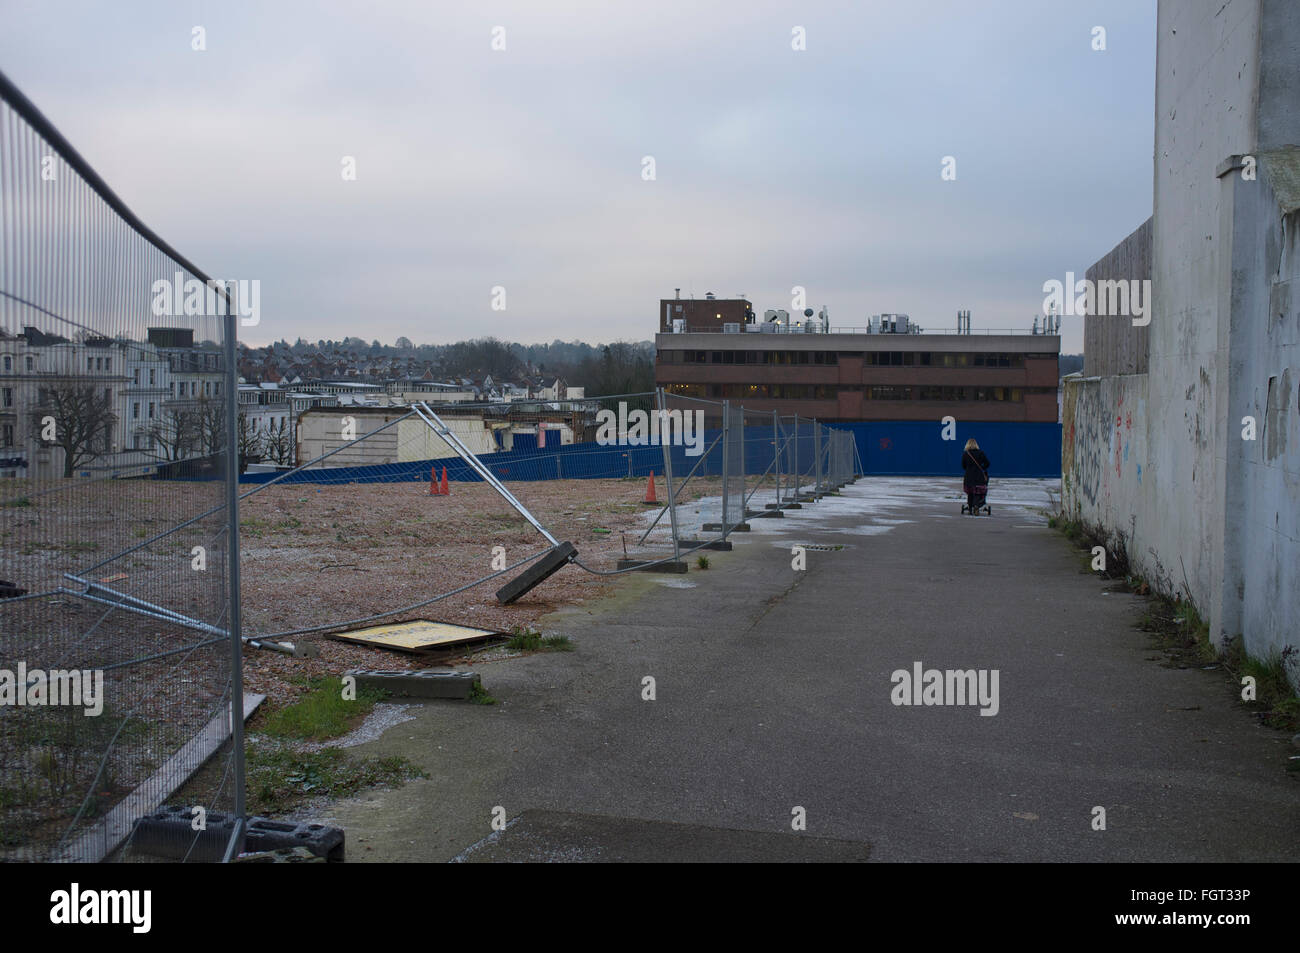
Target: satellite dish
x=807, y=312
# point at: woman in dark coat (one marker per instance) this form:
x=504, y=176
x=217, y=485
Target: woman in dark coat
x=976, y=467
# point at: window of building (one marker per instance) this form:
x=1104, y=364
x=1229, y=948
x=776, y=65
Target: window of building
x=9, y=363
x=31, y=364
x=7, y=435
x=8, y=397
x=135, y=410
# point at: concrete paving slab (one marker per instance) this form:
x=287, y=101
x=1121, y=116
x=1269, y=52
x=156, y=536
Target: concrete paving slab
x=560, y=837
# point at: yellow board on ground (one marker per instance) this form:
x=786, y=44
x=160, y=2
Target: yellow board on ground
x=422, y=635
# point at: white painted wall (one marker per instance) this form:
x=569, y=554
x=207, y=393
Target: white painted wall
x=1208, y=512
x=1260, y=596
x=1207, y=66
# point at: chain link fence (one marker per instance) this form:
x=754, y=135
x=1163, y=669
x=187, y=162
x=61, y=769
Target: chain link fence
x=118, y=582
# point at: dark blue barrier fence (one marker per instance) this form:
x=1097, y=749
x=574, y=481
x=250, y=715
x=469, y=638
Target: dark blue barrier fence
x=886, y=448
x=917, y=447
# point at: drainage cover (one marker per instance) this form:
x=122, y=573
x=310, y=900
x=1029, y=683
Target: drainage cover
x=820, y=547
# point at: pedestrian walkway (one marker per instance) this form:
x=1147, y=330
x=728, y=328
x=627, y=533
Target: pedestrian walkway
x=773, y=699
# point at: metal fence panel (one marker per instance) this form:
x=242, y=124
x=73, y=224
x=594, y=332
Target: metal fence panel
x=118, y=667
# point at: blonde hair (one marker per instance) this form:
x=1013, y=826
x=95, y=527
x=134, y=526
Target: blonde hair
x=971, y=444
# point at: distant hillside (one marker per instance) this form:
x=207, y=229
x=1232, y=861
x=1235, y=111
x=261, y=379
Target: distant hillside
x=619, y=367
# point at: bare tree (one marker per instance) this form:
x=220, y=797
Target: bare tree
x=250, y=442
x=210, y=417
x=174, y=435
x=78, y=418
x=279, y=443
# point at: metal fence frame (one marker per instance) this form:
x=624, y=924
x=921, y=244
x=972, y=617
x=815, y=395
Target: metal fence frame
x=53, y=240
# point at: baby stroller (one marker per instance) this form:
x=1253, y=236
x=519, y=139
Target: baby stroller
x=977, y=494
x=976, y=483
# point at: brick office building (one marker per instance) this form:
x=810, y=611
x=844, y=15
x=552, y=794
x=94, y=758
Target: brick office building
x=855, y=374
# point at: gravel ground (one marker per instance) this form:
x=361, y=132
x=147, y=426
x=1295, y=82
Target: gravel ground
x=311, y=556
x=316, y=556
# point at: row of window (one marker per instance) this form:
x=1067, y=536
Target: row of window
x=43, y=395
x=946, y=359
x=743, y=391
x=869, y=392
x=924, y=392
x=92, y=364
x=748, y=357
x=178, y=388
x=870, y=358
x=210, y=388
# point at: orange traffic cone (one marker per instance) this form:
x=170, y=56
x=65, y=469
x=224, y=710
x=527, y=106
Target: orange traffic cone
x=650, y=490
x=433, y=482
x=446, y=490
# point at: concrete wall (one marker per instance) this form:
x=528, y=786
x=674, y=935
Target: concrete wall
x=415, y=441
x=1113, y=344
x=1207, y=66
x=1164, y=458
x=1104, y=451
x=1279, y=78
x=1260, y=590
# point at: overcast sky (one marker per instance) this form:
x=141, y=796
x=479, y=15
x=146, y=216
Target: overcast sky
x=523, y=167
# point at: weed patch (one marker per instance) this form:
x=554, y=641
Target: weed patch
x=322, y=713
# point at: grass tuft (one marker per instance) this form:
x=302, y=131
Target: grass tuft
x=526, y=640
x=280, y=779
x=322, y=713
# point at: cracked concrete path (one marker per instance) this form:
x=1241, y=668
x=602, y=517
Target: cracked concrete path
x=773, y=692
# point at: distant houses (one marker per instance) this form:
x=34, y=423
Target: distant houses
x=160, y=401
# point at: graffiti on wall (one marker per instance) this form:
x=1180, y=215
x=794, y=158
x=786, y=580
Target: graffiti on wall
x=1087, y=443
x=1100, y=446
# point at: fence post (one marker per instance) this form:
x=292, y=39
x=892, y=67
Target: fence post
x=726, y=450
x=817, y=457
x=232, y=571
x=668, y=468
x=776, y=454
x=798, y=474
